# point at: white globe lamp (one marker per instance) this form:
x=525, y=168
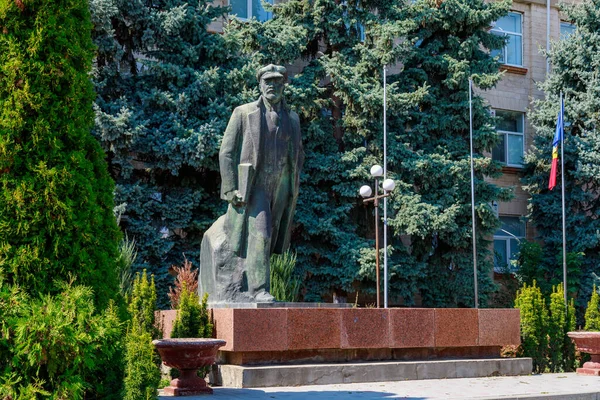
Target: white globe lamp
x=376, y=171
x=389, y=185
x=365, y=191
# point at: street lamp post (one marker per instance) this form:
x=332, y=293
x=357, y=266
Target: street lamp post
x=366, y=192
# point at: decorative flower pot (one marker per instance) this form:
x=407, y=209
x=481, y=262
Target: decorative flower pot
x=588, y=342
x=188, y=355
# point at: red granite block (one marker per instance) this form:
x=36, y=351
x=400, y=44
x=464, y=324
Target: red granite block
x=223, y=326
x=365, y=328
x=456, y=327
x=253, y=329
x=317, y=328
x=588, y=371
x=412, y=327
x=499, y=327
x=165, y=320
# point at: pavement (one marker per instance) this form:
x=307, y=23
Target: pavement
x=567, y=386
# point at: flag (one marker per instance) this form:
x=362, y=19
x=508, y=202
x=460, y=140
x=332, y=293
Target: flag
x=557, y=139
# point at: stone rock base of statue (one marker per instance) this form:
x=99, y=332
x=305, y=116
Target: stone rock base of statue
x=222, y=273
x=588, y=342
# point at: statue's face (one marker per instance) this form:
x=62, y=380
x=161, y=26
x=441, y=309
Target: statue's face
x=272, y=89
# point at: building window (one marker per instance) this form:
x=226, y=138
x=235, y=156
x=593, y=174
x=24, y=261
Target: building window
x=510, y=26
x=566, y=29
x=248, y=9
x=510, y=128
x=507, y=242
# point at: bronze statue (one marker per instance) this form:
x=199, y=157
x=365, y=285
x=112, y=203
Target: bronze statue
x=260, y=161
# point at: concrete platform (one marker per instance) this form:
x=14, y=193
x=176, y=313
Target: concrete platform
x=534, y=387
x=238, y=376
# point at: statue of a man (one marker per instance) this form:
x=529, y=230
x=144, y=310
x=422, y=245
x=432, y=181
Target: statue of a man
x=260, y=161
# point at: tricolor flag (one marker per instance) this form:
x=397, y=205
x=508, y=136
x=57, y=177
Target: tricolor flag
x=557, y=139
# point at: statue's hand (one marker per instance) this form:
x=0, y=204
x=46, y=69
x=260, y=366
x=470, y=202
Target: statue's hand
x=235, y=199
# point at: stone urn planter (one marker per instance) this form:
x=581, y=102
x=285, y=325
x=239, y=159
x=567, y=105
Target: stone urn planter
x=188, y=355
x=588, y=342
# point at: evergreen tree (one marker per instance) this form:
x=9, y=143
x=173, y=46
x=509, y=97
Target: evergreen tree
x=431, y=153
x=56, y=203
x=534, y=325
x=338, y=95
x=166, y=88
x=592, y=312
x=576, y=73
x=142, y=372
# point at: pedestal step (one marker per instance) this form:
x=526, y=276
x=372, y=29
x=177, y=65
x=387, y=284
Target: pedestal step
x=239, y=376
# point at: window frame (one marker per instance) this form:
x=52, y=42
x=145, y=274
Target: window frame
x=506, y=133
x=249, y=10
x=563, y=36
x=506, y=238
x=502, y=32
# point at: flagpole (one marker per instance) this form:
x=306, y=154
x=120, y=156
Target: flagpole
x=385, y=266
x=562, y=176
x=473, y=193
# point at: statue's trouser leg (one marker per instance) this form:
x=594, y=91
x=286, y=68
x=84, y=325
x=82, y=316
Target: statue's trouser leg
x=258, y=251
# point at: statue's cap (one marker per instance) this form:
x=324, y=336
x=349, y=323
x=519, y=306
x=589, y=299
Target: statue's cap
x=271, y=71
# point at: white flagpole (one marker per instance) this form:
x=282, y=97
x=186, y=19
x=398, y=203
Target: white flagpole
x=562, y=179
x=473, y=194
x=385, y=266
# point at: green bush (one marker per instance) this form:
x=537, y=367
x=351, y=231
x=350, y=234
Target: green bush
x=592, y=312
x=284, y=285
x=569, y=346
x=142, y=372
x=561, y=351
x=192, y=319
x=544, y=331
x=534, y=325
x=58, y=346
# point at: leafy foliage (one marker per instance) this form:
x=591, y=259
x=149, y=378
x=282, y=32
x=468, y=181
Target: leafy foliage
x=58, y=346
x=534, y=325
x=142, y=373
x=166, y=88
x=561, y=350
x=285, y=285
x=575, y=65
x=592, y=312
x=185, y=276
x=192, y=319
x=544, y=330
x=57, y=197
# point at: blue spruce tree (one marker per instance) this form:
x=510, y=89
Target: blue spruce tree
x=166, y=87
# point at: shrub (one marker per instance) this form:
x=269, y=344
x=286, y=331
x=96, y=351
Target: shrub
x=58, y=347
x=561, y=351
x=284, y=285
x=534, y=323
x=511, y=351
x=592, y=312
x=569, y=347
x=192, y=316
x=185, y=275
x=142, y=372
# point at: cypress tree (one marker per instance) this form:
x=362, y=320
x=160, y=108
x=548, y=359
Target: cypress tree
x=166, y=88
x=576, y=73
x=338, y=95
x=56, y=204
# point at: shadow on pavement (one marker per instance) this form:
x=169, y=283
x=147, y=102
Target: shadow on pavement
x=257, y=394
